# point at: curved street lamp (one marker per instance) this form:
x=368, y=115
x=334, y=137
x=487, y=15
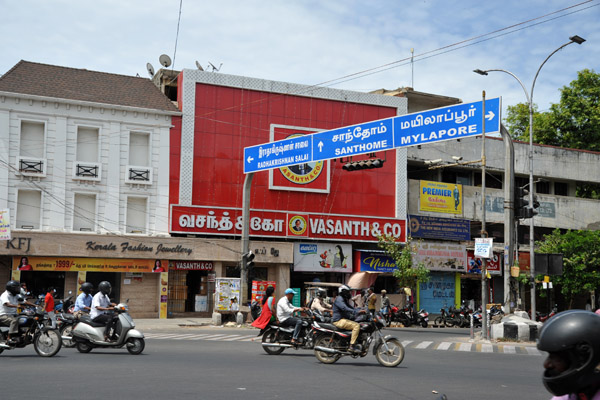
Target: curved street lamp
x=529, y=96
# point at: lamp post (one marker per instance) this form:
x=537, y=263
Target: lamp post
x=529, y=96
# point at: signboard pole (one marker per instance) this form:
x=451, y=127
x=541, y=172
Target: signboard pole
x=245, y=238
x=484, y=321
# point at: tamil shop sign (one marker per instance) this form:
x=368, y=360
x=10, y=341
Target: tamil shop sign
x=89, y=264
x=228, y=221
x=422, y=226
x=442, y=256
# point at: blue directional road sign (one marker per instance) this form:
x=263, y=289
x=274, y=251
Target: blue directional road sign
x=447, y=123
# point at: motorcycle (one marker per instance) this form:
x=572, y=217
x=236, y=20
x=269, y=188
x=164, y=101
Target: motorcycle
x=542, y=317
x=332, y=343
x=34, y=328
x=88, y=334
x=408, y=317
x=66, y=321
x=275, y=338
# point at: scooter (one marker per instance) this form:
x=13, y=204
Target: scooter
x=88, y=334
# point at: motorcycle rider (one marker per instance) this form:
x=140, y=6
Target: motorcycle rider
x=320, y=304
x=285, y=313
x=572, y=367
x=83, y=304
x=8, y=309
x=100, y=305
x=344, y=315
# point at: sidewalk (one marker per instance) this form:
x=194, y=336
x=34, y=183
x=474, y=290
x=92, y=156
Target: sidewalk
x=154, y=324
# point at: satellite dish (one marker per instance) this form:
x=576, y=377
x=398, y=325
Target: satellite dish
x=150, y=69
x=199, y=66
x=165, y=60
x=215, y=68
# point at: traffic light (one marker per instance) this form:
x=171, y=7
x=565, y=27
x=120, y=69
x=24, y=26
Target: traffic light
x=522, y=207
x=363, y=164
x=249, y=260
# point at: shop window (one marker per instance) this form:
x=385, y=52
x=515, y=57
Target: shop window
x=492, y=181
x=84, y=212
x=38, y=282
x=561, y=188
x=29, y=206
x=137, y=212
x=32, y=139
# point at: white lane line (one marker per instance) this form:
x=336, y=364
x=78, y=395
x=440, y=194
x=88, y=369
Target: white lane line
x=444, y=346
x=406, y=342
x=509, y=349
x=465, y=347
x=172, y=336
x=251, y=339
x=203, y=337
x=224, y=337
x=423, y=345
x=532, y=351
x=487, y=348
x=240, y=337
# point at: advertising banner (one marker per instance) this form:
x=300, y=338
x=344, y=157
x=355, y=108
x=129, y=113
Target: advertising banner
x=440, y=197
x=81, y=278
x=483, y=247
x=426, y=227
x=474, y=264
x=5, y=224
x=89, y=264
x=322, y=257
x=227, y=294
x=164, y=294
x=228, y=221
x=442, y=256
x=259, y=288
x=375, y=261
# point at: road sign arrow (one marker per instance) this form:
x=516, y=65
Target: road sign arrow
x=490, y=116
x=250, y=159
x=320, y=146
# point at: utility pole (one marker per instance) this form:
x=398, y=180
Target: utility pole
x=245, y=238
x=484, y=321
x=509, y=213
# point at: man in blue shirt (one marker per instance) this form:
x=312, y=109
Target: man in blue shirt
x=344, y=314
x=83, y=303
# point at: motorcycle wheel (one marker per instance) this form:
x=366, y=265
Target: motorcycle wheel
x=47, y=343
x=326, y=358
x=393, y=356
x=449, y=322
x=83, y=347
x=137, y=345
x=424, y=324
x=439, y=321
x=269, y=337
x=66, y=330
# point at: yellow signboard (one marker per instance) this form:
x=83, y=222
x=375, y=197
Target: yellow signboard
x=163, y=295
x=440, y=197
x=88, y=264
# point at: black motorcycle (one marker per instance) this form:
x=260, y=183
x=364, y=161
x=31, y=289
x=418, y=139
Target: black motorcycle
x=34, y=328
x=332, y=343
x=65, y=323
x=276, y=338
x=408, y=316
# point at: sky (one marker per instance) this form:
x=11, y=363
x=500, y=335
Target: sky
x=344, y=44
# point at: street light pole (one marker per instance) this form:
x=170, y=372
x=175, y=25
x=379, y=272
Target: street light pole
x=529, y=96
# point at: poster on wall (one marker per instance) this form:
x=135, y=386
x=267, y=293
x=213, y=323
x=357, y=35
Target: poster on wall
x=494, y=265
x=259, y=288
x=442, y=256
x=81, y=279
x=322, y=257
x=89, y=264
x=227, y=294
x=440, y=197
x=164, y=294
x=5, y=224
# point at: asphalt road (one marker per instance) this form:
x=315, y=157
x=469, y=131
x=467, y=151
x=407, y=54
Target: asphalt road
x=227, y=364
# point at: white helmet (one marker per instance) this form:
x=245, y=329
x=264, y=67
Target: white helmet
x=344, y=291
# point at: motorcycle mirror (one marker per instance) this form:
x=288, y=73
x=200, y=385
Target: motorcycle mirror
x=70, y=292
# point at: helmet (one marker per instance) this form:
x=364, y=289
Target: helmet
x=574, y=333
x=384, y=291
x=344, y=291
x=87, y=287
x=104, y=287
x=321, y=293
x=14, y=287
x=289, y=291
x=20, y=298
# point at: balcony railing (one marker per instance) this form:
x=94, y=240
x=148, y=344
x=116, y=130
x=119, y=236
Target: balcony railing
x=88, y=171
x=30, y=166
x=138, y=175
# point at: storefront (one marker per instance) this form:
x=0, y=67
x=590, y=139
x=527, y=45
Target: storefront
x=160, y=276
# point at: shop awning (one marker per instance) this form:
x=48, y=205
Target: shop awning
x=361, y=280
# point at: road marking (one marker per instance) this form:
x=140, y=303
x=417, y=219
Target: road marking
x=205, y=337
x=464, y=347
x=532, y=351
x=423, y=345
x=487, y=348
x=444, y=346
x=406, y=342
x=225, y=337
x=172, y=336
x=510, y=349
x=241, y=338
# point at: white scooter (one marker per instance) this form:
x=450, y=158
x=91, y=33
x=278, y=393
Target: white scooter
x=89, y=334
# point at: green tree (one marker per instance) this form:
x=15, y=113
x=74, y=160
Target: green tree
x=581, y=258
x=407, y=273
x=574, y=122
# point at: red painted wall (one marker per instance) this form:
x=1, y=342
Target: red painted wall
x=229, y=119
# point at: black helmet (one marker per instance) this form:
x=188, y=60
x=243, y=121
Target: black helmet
x=104, y=287
x=321, y=293
x=14, y=287
x=574, y=333
x=344, y=291
x=88, y=287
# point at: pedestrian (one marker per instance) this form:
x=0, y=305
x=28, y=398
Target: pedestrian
x=359, y=298
x=571, y=368
x=49, y=305
x=385, y=302
x=371, y=300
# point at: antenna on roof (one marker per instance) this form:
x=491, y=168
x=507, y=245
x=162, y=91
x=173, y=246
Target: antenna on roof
x=165, y=60
x=150, y=69
x=199, y=66
x=215, y=69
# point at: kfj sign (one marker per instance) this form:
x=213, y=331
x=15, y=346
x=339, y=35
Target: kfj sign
x=447, y=123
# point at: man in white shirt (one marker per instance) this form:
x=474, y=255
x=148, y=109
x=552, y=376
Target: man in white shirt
x=100, y=305
x=8, y=309
x=285, y=312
